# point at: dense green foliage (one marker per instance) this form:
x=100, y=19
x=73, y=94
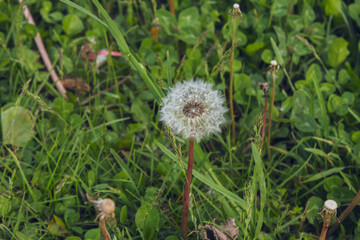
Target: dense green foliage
x=107, y=139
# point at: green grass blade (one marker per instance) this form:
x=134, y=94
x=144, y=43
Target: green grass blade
x=324, y=174
x=312, y=74
x=83, y=10
x=262, y=186
x=281, y=62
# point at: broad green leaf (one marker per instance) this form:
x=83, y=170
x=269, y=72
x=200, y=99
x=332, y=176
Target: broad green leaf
x=338, y=52
x=72, y=24
x=62, y=107
x=188, y=17
x=313, y=206
x=334, y=103
x=267, y=56
x=57, y=227
x=147, y=219
x=93, y=234
x=355, y=137
x=17, y=124
x=73, y=238
x=305, y=123
x=348, y=98
x=166, y=20
x=252, y=48
x=332, y=7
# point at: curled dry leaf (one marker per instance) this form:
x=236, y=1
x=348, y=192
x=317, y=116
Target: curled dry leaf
x=227, y=231
x=75, y=84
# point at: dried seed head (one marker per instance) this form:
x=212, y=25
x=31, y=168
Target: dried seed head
x=330, y=205
x=193, y=109
x=105, y=208
x=236, y=10
x=329, y=210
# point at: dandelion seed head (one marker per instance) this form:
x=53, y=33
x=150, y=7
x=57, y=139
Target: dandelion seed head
x=105, y=208
x=193, y=109
x=330, y=205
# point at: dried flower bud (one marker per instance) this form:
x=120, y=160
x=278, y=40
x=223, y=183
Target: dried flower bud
x=329, y=210
x=236, y=10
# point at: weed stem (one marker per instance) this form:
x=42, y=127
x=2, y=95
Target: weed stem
x=271, y=111
x=185, y=209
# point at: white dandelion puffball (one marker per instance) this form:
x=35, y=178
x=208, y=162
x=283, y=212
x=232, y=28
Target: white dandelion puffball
x=193, y=109
x=330, y=205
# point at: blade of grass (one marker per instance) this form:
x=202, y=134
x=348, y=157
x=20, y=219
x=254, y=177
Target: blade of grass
x=22, y=173
x=259, y=168
x=281, y=62
x=324, y=174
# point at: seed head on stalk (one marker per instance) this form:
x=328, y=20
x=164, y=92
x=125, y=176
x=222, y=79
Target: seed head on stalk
x=194, y=110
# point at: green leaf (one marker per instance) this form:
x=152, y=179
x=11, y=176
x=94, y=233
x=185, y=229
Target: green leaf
x=93, y=234
x=355, y=137
x=72, y=24
x=313, y=206
x=73, y=238
x=348, y=98
x=166, y=20
x=332, y=7
x=338, y=52
x=252, y=48
x=17, y=124
x=188, y=17
x=267, y=56
x=62, y=107
x=147, y=219
x=123, y=214
x=305, y=123
x=334, y=103
x=91, y=178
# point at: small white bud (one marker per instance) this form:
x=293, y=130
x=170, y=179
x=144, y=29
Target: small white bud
x=330, y=205
x=274, y=62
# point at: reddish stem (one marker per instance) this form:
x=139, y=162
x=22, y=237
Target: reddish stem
x=43, y=53
x=264, y=121
x=185, y=209
x=324, y=229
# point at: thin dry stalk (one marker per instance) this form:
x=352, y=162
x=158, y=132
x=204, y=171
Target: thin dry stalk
x=43, y=53
x=265, y=88
x=103, y=229
x=172, y=7
x=274, y=67
x=185, y=209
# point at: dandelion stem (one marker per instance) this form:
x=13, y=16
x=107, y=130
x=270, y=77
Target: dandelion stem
x=185, y=209
x=271, y=111
x=325, y=228
x=232, y=81
x=344, y=214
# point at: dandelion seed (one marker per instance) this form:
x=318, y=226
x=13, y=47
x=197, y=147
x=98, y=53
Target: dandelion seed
x=193, y=109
